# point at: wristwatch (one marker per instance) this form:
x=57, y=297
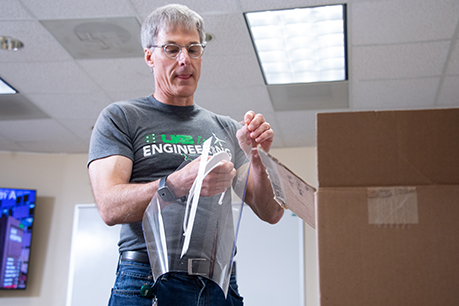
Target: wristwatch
x=164, y=192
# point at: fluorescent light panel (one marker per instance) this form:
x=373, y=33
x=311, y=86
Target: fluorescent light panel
x=301, y=45
x=6, y=89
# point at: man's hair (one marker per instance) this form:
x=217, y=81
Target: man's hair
x=170, y=16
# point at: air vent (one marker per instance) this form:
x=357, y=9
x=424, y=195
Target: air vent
x=97, y=38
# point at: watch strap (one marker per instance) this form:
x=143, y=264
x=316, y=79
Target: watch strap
x=164, y=192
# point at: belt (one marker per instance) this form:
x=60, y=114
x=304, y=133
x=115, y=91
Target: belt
x=195, y=266
x=140, y=257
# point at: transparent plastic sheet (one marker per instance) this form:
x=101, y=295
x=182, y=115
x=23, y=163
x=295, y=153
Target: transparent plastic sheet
x=197, y=235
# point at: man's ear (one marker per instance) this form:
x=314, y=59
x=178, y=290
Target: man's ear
x=149, y=58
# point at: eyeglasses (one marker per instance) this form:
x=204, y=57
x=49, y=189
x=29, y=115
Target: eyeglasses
x=172, y=51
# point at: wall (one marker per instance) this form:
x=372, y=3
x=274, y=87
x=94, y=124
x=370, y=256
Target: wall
x=61, y=182
x=303, y=161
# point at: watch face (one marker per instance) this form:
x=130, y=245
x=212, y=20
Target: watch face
x=166, y=194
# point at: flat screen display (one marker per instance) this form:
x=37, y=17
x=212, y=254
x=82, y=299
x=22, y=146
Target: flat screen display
x=17, y=208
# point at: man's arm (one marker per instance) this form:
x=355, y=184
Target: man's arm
x=259, y=194
x=120, y=202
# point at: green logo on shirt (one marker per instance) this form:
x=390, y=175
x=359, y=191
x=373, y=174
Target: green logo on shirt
x=175, y=139
x=184, y=145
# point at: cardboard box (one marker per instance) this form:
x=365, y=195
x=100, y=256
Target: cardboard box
x=388, y=208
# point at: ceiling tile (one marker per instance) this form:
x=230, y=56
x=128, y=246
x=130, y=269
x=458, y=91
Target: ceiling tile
x=34, y=130
x=39, y=45
x=230, y=71
x=297, y=128
x=396, y=21
x=12, y=10
x=48, y=77
x=309, y=96
x=398, y=61
x=230, y=36
x=114, y=75
x=130, y=94
x=72, y=105
x=453, y=65
x=400, y=56
x=203, y=7
x=82, y=128
x=8, y=146
x=449, y=93
x=19, y=107
x=67, y=146
x=97, y=38
x=259, y=5
x=51, y=9
x=394, y=94
x=235, y=102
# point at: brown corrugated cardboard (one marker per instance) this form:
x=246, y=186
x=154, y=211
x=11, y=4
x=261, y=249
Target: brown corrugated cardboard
x=393, y=264
x=290, y=191
x=388, y=208
x=388, y=148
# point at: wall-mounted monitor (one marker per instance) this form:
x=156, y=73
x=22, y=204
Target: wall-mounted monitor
x=17, y=209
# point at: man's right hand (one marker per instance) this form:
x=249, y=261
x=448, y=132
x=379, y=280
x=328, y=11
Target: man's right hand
x=216, y=182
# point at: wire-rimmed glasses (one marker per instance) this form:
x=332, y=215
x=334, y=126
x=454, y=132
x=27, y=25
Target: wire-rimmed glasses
x=172, y=51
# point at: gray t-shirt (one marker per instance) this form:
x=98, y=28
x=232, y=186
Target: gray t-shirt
x=158, y=138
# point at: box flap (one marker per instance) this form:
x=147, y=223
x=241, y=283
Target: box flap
x=388, y=148
x=290, y=191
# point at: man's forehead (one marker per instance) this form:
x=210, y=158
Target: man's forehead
x=171, y=32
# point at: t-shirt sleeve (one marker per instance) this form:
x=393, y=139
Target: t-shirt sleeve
x=110, y=135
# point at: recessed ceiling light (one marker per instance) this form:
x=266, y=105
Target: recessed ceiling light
x=300, y=45
x=6, y=89
x=10, y=43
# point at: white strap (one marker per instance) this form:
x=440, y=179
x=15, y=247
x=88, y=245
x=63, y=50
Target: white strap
x=205, y=167
x=162, y=234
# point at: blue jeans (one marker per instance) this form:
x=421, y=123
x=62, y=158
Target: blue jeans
x=173, y=288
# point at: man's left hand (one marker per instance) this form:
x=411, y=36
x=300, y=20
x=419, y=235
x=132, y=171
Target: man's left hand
x=256, y=131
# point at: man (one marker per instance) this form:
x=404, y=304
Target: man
x=125, y=173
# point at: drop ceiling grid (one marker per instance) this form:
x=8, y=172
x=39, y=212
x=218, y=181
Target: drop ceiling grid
x=40, y=46
x=230, y=71
x=395, y=94
x=48, y=77
x=81, y=128
x=68, y=146
x=449, y=94
x=78, y=106
x=72, y=9
x=399, y=22
x=400, y=61
x=261, y=5
x=296, y=127
x=397, y=55
x=235, y=100
x=42, y=130
x=203, y=7
x=453, y=64
x=130, y=94
x=230, y=35
x=13, y=10
x=115, y=75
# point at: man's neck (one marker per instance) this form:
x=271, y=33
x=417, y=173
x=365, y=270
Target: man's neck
x=174, y=100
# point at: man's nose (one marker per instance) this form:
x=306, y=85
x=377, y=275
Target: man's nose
x=183, y=57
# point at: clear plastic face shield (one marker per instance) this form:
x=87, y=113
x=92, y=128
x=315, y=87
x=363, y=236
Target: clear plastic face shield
x=197, y=234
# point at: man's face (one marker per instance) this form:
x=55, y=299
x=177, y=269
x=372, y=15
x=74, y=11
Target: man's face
x=175, y=78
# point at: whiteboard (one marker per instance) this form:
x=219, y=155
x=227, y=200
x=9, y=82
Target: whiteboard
x=93, y=258
x=269, y=261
